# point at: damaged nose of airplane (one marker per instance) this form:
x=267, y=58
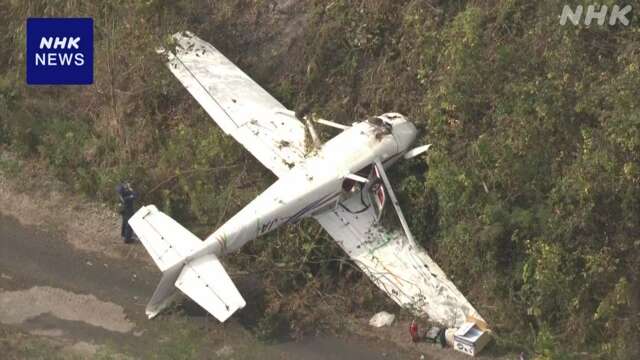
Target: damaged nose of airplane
x=405, y=134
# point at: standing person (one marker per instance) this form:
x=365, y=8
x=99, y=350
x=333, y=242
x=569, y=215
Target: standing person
x=127, y=198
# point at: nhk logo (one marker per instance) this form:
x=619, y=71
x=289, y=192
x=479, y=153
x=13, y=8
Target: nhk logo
x=59, y=51
x=53, y=58
x=617, y=15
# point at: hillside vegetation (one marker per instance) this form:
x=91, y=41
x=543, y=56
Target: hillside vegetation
x=529, y=199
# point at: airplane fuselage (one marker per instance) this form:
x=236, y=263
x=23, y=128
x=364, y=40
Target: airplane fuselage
x=316, y=183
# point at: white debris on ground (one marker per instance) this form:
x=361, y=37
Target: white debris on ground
x=381, y=319
x=470, y=339
x=448, y=336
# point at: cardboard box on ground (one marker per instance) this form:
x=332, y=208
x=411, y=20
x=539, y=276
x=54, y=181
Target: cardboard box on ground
x=470, y=339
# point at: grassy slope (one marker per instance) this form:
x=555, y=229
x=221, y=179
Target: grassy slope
x=531, y=198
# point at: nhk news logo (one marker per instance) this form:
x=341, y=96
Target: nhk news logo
x=59, y=51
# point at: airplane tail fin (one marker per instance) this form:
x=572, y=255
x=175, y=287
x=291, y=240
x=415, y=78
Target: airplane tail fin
x=173, y=248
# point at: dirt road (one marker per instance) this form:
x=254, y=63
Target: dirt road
x=92, y=305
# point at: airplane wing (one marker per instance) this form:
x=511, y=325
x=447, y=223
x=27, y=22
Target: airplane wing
x=243, y=109
x=397, y=266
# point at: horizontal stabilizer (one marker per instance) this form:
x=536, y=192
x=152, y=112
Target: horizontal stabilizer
x=206, y=282
x=166, y=241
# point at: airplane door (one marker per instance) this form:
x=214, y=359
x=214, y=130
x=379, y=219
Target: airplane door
x=375, y=192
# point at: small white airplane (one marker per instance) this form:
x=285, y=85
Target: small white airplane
x=342, y=184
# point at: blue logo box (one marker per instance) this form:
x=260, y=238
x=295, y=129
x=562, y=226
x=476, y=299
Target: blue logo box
x=59, y=51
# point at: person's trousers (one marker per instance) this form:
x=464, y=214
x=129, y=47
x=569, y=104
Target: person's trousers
x=126, y=231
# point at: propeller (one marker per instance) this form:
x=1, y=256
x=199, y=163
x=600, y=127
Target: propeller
x=416, y=151
x=394, y=201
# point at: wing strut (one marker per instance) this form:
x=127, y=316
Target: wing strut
x=395, y=203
